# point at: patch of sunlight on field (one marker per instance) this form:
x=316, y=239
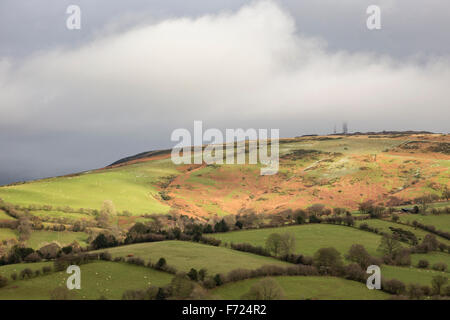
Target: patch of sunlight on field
x=132, y=188
x=309, y=237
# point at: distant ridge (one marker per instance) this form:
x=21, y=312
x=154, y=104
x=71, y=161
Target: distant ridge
x=152, y=153
x=141, y=155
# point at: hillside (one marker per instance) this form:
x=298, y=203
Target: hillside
x=337, y=171
x=157, y=219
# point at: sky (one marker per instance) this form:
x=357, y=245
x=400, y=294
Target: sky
x=74, y=100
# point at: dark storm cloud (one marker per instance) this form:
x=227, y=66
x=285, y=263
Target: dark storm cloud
x=76, y=100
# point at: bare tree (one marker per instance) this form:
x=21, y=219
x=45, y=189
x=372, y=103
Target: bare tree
x=266, y=289
x=287, y=243
x=389, y=245
x=24, y=228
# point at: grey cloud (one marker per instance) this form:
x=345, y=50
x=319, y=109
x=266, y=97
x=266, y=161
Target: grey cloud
x=124, y=90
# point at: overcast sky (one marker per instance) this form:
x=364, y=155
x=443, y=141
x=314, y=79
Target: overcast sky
x=72, y=100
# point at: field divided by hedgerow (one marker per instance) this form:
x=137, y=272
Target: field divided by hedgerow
x=300, y=288
x=132, y=188
x=98, y=279
x=309, y=237
x=185, y=255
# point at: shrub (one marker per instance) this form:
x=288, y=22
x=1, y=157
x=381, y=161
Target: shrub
x=181, y=287
x=136, y=261
x=106, y=256
x=440, y=266
x=202, y=274
x=354, y=271
x=46, y=269
x=209, y=283
x=102, y=241
x=268, y=270
x=161, y=263
x=50, y=251
x=357, y=253
x=193, y=274
x=150, y=294
x=438, y=283
x=238, y=274
x=246, y=247
x=218, y=279
x=415, y=291
x=314, y=219
x=60, y=293
x=446, y=291
x=3, y=281
x=393, y=286
x=402, y=258
x=265, y=289
x=33, y=257
x=423, y=264
x=14, y=276
x=327, y=260
x=67, y=249
x=26, y=273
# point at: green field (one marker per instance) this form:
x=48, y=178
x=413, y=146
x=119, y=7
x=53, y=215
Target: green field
x=410, y=275
x=7, y=270
x=300, y=288
x=186, y=255
x=59, y=215
x=4, y=216
x=384, y=225
x=6, y=234
x=432, y=257
x=441, y=222
x=309, y=237
x=108, y=279
x=40, y=237
x=344, y=145
x=131, y=188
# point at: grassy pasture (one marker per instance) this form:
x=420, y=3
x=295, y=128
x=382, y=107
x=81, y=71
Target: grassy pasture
x=131, y=188
x=4, y=216
x=384, y=225
x=309, y=237
x=186, y=255
x=39, y=237
x=348, y=145
x=410, y=275
x=441, y=222
x=55, y=215
x=101, y=278
x=432, y=258
x=6, y=234
x=7, y=270
x=300, y=288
